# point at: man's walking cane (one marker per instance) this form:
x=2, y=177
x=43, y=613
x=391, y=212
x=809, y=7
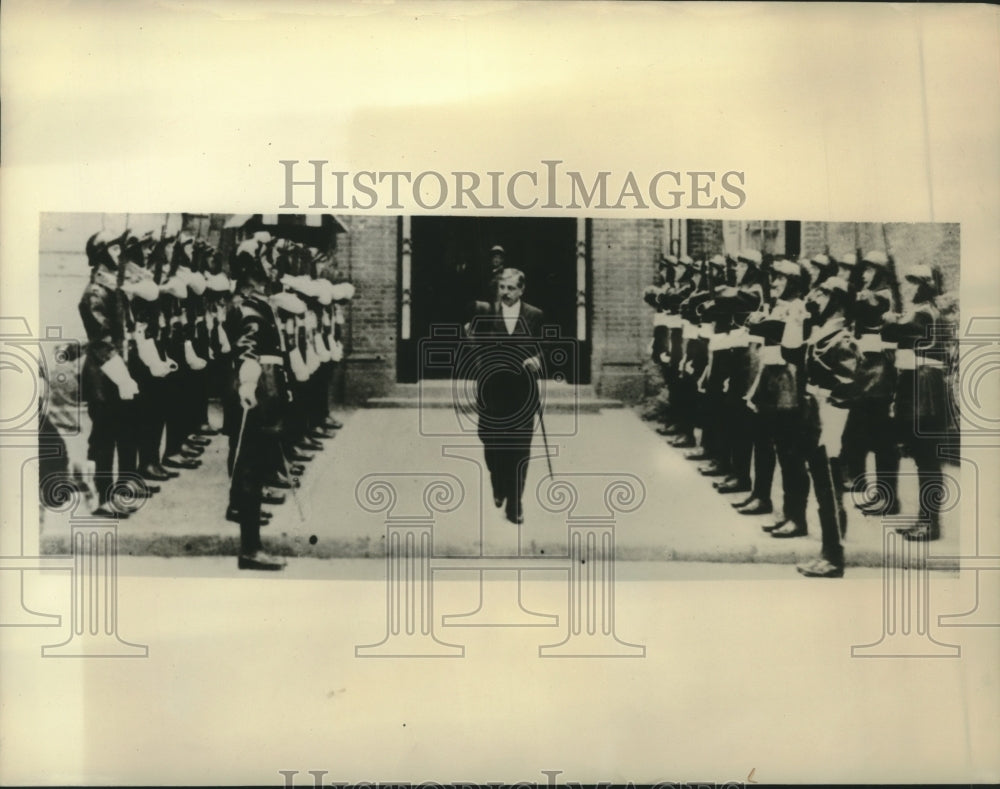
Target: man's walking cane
x=545, y=438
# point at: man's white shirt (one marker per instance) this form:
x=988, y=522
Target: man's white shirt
x=510, y=315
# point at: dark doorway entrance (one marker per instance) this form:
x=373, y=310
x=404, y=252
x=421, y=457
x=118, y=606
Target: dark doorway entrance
x=451, y=268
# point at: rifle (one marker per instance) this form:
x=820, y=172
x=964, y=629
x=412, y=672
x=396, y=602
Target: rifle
x=897, y=299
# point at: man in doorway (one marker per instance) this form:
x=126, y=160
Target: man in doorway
x=507, y=363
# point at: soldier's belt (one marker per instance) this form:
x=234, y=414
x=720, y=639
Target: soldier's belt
x=718, y=342
x=739, y=338
x=672, y=321
x=907, y=359
x=770, y=355
x=660, y=319
x=690, y=330
x=269, y=359
x=706, y=332
x=870, y=343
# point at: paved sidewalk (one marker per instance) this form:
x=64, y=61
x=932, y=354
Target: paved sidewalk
x=680, y=518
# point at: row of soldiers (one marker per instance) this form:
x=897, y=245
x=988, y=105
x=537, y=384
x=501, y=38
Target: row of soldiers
x=811, y=365
x=168, y=329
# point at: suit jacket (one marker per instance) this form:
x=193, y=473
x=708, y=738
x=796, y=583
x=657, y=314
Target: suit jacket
x=506, y=393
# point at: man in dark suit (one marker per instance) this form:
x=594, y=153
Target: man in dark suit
x=507, y=362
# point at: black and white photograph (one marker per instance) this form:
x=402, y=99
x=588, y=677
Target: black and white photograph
x=479, y=394
x=794, y=379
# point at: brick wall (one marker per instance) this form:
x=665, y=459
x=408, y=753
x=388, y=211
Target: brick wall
x=368, y=255
x=624, y=254
x=911, y=243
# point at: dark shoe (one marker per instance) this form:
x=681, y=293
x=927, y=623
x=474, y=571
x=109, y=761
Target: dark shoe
x=734, y=486
x=518, y=519
x=683, y=442
x=309, y=444
x=922, y=532
x=207, y=430
x=272, y=497
x=178, y=461
x=667, y=430
x=233, y=514
x=756, y=507
x=333, y=424
x=279, y=481
x=297, y=469
x=774, y=526
x=498, y=501
x=698, y=454
x=192, y=452
x=171, y=474
x=712, y=470
x=261, y=561
x=880, y=508
x=151, y=474
x=322, y=433
x=789, y=529
x=745, y=502
x=198, y=440
x=299, y=457
x=109, y=510
x=142, y=489
x=821, y=568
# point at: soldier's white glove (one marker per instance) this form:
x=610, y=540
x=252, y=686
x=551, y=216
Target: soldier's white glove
x=116, y=370
x=337, y=351
x=248, y=396
x=223, y=340
x=145, y=289
x=298, y=364
x=194, y=361
x=151, y=358
x=249, y=375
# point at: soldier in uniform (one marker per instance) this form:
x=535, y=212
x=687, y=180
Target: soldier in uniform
x=695, y=358
x=256, y=407
x=738, y=302
x=868, y=428
x=778, y=392
x=833, y=361
x=920, y=404
x=682, y=425
x=106, y=383
x=653, y=296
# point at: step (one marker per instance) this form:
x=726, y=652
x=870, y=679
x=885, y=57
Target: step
x=459, y=395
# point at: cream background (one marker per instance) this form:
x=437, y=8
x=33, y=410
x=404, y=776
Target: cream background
x=860, y=112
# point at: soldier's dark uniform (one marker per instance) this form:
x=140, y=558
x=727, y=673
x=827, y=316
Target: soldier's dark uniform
x=255, y=410
x=868, y=427
x=920, y=402
x=778, y=393
x=833, y=361
x=678, y=386
x=106, y=384
x=739, y=302
x=695, y=358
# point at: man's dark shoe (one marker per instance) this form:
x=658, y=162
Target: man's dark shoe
x=821, y=568
x=333, y=424
x=789, y=529
x=261, y=561
x=152, y=474
x=179, y=461
x=683, y=442
x=734, y=486
x=272, y=497
x=756, y=507
x=712, y=469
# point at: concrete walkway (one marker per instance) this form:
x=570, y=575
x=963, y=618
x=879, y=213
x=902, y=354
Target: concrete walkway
x=680, y=516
